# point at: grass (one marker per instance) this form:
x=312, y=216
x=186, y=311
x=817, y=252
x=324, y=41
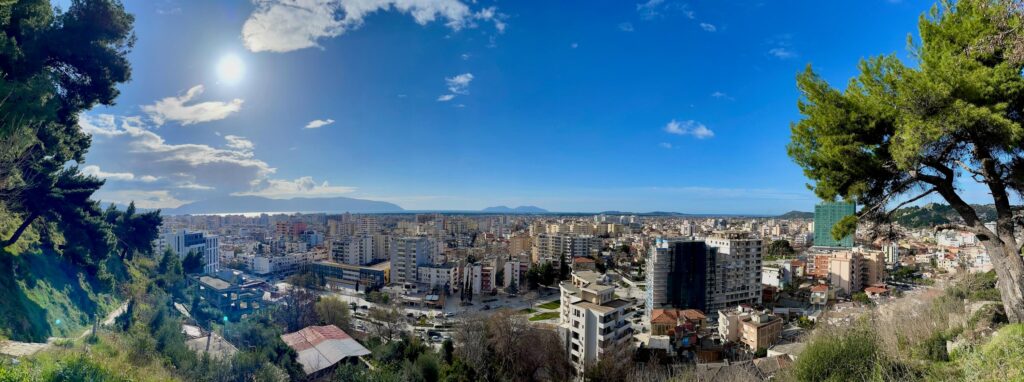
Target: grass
x=45, y=296
x=527, y=311
x=106, y=360
x=1001, y=359
x=544, y=316
x=550, y=305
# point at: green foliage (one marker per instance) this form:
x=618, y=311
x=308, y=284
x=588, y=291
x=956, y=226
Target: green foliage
x=779, y=249
x=333, y=311
x=45, y=296
x=851, y=355
x=193, y=262
x=54, y=65
x=804, y=323
x=544, y=316
x=553, y=304
x=933, y=348
x=862, y=298
x=378, y=297
x=1001, y=359
x=902, y=129
x=305, y=279
x=932, y=214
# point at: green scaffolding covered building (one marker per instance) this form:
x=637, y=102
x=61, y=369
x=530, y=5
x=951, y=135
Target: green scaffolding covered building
x=827, y=215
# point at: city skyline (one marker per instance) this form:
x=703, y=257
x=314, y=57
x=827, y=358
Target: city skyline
x=647, y=106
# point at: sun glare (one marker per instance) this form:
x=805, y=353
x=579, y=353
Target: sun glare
x=230, y=69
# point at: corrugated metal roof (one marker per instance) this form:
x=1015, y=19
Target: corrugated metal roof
x=320, y=347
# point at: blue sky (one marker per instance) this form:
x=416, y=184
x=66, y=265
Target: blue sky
x=607, y=105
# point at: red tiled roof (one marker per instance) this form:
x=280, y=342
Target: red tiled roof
x=875, y=290
x=819, y=288
x=667, y=316
x=693, y=314
x=583, y=260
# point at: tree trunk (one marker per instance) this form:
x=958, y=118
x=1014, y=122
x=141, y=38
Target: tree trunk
x=21, y=229
x=1009, y=267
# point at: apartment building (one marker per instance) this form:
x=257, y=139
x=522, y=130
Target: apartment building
x=826, y=215
x=355, y=250
x=440, y=275
x=852, y=271
x=592, y=321
x=737, y=270
x=285, y=264
x=555, y=247
x=678, y=274
x=408, y=253
x=753, y=328
x=478, y=278
x=184, y=242
x=361, y=278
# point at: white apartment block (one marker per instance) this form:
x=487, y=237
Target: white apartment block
x=184, y=242
x=591, y=319
x=354, y=250
x=737, y=270
x=285, y=264
x=438, y=275
x=553, y=247
x=408, y=253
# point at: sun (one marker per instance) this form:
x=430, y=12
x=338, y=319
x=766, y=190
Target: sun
x=230, y=69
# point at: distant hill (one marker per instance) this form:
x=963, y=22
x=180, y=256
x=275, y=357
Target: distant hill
x=934, y=213
x=517, y=210
x=796, y=215
x=242, y=204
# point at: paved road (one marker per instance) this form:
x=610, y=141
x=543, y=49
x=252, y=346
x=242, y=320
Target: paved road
x=22, y=349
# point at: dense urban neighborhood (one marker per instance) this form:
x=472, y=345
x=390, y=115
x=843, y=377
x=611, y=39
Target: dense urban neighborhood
x=143, y=237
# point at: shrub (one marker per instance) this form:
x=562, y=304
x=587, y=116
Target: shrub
x=849, y=354
x=1001, y=359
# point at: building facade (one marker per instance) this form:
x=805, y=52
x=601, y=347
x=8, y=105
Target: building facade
x=592, y=321
x=826, y=215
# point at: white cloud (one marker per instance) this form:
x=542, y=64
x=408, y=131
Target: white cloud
x=141, y=151
x=649, y=9
x=102, y=125
x=653, y=8
x=301, y=187
x=95, y=170
x=665, y=145
x=239, y=143
x=142, y=198
x=721, y=95
x=287, y=25
x=193, y=186
x=318, y=123
x=626, y=27
x=458, y=85
x=782, y=53
x=708, y=27
x=175, y=109
x=689, y=127
x=574, y=45
x=464, y=56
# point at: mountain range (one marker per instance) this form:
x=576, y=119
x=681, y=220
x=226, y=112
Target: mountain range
x=517, y=210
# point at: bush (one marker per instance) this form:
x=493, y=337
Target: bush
x=849, y=354
x=1001, y=359
x=933, y=348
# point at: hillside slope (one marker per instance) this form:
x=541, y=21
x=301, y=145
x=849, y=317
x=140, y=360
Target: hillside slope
x=44, y=296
